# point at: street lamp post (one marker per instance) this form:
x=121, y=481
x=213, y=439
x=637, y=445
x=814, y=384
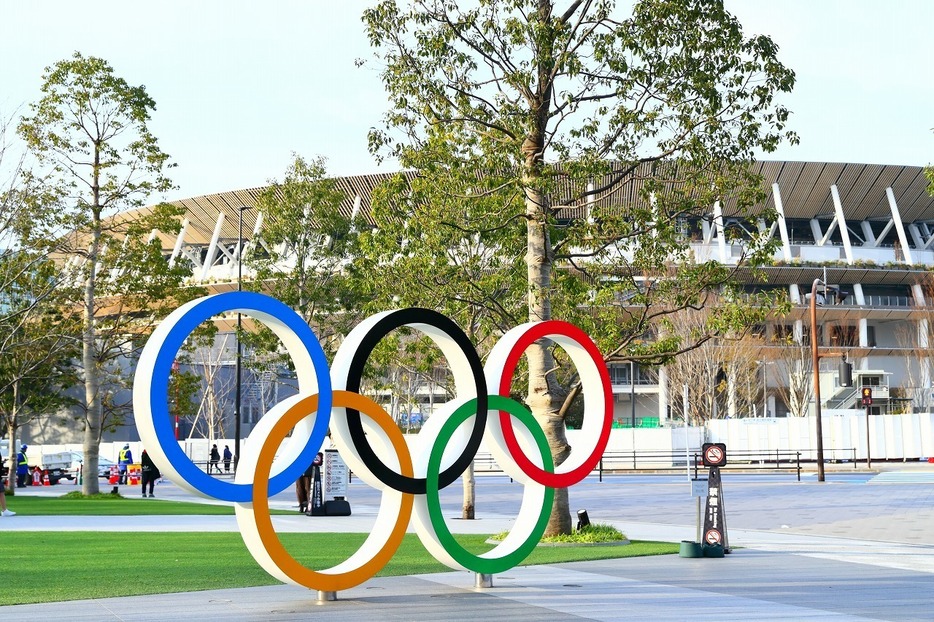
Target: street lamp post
x=845, y=372
x=236, y=456
x=815, y=362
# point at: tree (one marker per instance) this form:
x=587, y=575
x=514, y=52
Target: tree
x=300, y=254
x=723, y=372
x=528, y=128
x=96, y=157
x=38, y=344
x=35, y=338
x=794, y=373
x=916, y=340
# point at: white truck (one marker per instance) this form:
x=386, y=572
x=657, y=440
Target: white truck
x=58, y=465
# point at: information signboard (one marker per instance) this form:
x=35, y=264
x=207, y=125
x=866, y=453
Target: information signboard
x=336, y=475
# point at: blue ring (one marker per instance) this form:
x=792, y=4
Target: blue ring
x=159, y=402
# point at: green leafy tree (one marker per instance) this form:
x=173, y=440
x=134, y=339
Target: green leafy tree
x=38, y=344
x=574, y=147
x=36, y=340
x=300, y=254
x=95, y=159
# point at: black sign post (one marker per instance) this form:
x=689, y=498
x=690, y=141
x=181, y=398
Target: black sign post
x=317, y=494
x=714, y=533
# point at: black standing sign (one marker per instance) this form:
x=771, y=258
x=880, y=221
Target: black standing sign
x=317, y=494
x=715, y=512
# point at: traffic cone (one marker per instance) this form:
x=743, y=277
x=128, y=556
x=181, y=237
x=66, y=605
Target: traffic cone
x=45, y=479
x=36, y=477
x=114, y=475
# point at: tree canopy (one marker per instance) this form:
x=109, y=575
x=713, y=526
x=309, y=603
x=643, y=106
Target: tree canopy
x=96, y=158
x=561, y=158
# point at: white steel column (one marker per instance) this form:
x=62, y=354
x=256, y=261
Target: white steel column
x=782, y=225
x=862, y=324
x=243, y=246
x=212, y=248
x=795, y=294
x=841, y=221
x=662, y=395
x=721, y=230
x=916, y=236
x=179, y=242
x=899, y=227
x=816, y=232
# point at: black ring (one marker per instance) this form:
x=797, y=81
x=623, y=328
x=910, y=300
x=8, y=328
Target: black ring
x=393, y=320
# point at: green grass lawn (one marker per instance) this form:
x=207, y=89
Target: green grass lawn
x=74, y=565
x=75, y=504
x=79, y=565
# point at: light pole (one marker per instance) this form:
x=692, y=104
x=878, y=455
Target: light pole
x=236, y=456
x=845, y=373
x=815, y=362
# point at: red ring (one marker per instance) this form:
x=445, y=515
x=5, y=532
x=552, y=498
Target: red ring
x=532, y=334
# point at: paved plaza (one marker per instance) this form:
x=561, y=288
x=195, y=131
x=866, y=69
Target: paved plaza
x=859, y=546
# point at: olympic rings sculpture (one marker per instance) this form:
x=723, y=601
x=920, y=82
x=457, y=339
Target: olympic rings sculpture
x=371, y=443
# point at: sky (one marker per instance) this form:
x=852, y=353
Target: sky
x=241, y=86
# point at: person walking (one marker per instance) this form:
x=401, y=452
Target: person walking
x=215, y=459
x=227, y=457
x=303, y=490
x=4, y=472
x=150, y=473
x=22, y=467
x=125, y=460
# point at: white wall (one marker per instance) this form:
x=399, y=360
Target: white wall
x=892, y=437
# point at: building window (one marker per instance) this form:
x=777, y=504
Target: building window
x=841, y=335
x=871, y=336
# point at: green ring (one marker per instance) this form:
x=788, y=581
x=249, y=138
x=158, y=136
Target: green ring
x=486, y=565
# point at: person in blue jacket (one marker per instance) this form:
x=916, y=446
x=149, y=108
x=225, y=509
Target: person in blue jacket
x=125, y=460
x=22, y=467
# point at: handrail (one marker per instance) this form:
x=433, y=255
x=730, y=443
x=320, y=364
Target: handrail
x=775, y=459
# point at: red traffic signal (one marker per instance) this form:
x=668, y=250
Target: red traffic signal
x=867, y=396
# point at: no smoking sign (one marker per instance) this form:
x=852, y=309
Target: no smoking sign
x=714, y=454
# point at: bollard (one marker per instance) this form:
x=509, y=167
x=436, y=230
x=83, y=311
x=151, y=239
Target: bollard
x=482, y=581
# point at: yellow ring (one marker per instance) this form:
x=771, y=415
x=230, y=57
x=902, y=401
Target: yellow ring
x=335, y=578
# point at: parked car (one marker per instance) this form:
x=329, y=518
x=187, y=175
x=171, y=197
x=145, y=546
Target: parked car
x=77, y=459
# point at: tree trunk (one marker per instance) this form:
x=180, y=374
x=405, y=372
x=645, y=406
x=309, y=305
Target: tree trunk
x=11, y=459
x=468, y=510
x=543, y=398
x=94, y=416
x=92, y=394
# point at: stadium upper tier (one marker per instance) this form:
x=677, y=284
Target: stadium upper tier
x=847, y=217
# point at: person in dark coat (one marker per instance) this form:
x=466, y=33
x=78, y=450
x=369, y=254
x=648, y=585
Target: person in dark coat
x=150, y=473
x=215, y=459
x=227, y=457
